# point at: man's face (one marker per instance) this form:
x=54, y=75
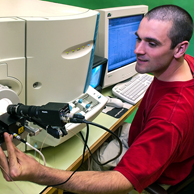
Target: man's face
x=153, y=47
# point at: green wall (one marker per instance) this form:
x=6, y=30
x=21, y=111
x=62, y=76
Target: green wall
x=97, y=4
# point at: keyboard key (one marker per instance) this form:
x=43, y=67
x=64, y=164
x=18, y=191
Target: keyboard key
x=133, y=89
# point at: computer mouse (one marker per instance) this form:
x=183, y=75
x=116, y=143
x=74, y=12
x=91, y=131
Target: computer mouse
x=114, y=102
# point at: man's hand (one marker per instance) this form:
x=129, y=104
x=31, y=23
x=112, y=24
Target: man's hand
x=18, y=166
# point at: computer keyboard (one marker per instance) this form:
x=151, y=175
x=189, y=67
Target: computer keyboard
x=133, y=89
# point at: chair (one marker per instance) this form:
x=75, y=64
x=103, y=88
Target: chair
x=157, y=189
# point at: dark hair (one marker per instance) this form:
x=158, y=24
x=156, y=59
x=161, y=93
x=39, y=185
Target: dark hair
x=182, y=22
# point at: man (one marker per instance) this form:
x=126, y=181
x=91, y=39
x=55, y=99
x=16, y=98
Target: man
x=161, y=138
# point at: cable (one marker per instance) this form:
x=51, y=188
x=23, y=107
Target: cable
x=43, y=145
x=112, y=133
x=74, y=120
x=43, y=158
x=97, y=162
x=25, y=142
x=83, y=141
x=78, y=120
x=106, y=129
x=12, y=180
x=83, y=154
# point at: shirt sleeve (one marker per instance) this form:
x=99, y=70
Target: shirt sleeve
x=150, y=154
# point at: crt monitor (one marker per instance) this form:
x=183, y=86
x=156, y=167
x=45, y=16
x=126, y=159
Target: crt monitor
x=116, y=41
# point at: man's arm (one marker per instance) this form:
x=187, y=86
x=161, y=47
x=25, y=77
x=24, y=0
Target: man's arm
x=24, y=167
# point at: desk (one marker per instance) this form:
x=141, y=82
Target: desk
x=68, y=155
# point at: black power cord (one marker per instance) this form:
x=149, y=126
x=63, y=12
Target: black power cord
x=83, y=154
x=112, y=133
x=74, y=120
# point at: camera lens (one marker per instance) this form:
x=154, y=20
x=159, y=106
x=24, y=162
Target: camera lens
x=11, y=109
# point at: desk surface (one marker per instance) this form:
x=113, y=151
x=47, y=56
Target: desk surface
x=68, y=155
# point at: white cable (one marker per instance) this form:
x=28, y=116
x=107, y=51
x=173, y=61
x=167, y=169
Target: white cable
x=43, y=158
x=18, y=137
x=43, y=144
x=12, y=180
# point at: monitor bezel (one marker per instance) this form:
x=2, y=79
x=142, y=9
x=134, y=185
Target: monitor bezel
x=127, y=71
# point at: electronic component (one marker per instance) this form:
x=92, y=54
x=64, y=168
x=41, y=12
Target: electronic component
x=49, y=114
x=11, y=125
x=133, y=90
x=98, y=72
x=114, y=102
x=116, y=41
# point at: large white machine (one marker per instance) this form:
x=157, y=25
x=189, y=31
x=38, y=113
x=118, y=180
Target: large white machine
x=46, y=55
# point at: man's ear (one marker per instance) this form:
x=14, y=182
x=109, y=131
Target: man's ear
x=180, y=49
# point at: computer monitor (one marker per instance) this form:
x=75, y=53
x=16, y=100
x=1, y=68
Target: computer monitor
x=116, y=41
x=98, y=72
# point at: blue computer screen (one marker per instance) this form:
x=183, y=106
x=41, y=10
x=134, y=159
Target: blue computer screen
x=122, y=40
x=96, y=76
